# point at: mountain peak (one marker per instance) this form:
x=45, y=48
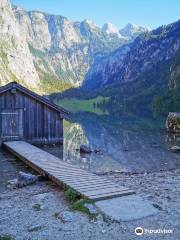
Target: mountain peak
x=90, y=22
x=17, y=8
x=132, y=30
x=109, y=28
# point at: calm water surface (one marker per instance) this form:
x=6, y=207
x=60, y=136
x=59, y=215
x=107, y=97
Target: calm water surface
x=128, y=144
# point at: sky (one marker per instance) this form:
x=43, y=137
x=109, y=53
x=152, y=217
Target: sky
x=150, y=13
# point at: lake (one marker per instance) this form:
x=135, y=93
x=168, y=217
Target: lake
x=128, y=144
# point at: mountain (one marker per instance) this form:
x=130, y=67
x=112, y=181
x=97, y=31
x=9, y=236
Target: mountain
x=169, y=100
x=62, y=49
x=112, y=30
x=136, y=72
x=14, y=51
x=133, y=30
x=49, y=52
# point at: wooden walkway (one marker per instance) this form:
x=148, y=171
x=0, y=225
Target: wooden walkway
x=85, y=183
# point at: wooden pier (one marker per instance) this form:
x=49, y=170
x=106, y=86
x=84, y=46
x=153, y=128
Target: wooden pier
x=87, y=184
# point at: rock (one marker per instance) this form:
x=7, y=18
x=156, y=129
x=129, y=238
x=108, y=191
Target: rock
x=92, y=209
x=85, y=149
x=37, y=207
x=175, y=149
x=25, y=179
x=100, y=220
x=172, y=137
x=12, y=184
x=67, y=216
x=157, y=206
x=126, y=208
x=98, y=151
x=173, y=122
x=125, y=149
x=35, y=228
x=84, y=160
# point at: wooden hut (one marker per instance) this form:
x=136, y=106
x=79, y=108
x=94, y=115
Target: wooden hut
x=24, y=115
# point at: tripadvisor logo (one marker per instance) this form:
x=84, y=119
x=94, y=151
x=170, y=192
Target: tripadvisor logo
x=139, y=231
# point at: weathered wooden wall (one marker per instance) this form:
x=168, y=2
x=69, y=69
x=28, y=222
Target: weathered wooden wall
x=40, y=123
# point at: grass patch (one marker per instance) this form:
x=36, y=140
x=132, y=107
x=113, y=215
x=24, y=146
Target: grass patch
x=72, y=195
x=6, y=237
x=37, y=207
x=75, y=105
x=80, y=206
x=77, y=204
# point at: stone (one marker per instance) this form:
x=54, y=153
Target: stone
x=126, y=208
x=92, y=209
x=125, y=149
x=175, y=149
x=98, y=151
x=35, y=228
x=12, y=184
x=85, y=149
x=173, y=122
x=67, y=216
x=25, y=179
x=99, y=220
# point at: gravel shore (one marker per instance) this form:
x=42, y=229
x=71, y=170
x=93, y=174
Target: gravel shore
x=31, y=213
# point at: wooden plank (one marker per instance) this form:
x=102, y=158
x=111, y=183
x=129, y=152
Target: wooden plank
x=54, y=164
x=95, y=187
x=111, y=195
x=76, y=176
x=85, y=183
x=103, y=191
x=92, y=186
x=79, y=179
x=69, y=174
x=55, y=167
x=80, y=183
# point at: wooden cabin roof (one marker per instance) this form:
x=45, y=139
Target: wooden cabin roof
x=15, y=85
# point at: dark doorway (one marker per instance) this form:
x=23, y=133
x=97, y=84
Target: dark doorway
x=11, y=124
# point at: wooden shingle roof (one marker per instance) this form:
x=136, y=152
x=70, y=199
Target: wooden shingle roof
x=15, y=85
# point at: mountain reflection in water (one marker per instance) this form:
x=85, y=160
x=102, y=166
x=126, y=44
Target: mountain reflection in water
x=128, y=144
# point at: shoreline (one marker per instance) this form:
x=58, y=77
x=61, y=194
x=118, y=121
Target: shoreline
x=19, y=219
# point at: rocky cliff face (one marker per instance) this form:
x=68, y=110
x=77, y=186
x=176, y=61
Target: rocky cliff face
x=16, y=62
x=174, y=82
x=133, y=30
x=131, y=62
x=63, y=49
x=173, y=122
x=50, y=53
